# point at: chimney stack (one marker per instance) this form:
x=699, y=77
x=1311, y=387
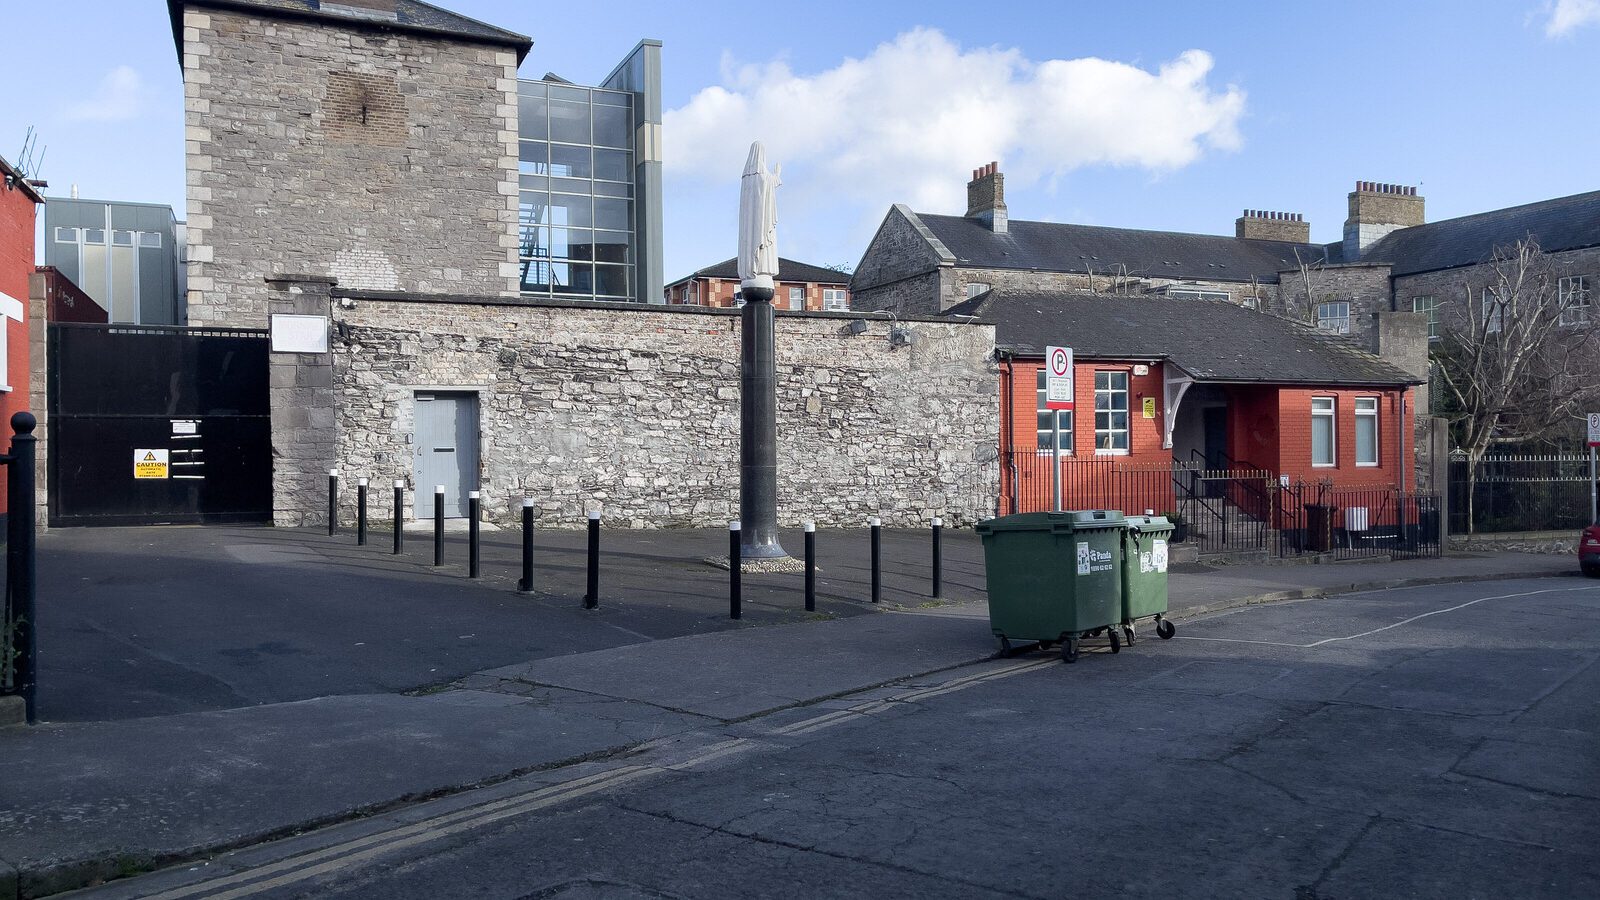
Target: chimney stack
x=1377, y=209
x=1264, y=225
x=986, y=197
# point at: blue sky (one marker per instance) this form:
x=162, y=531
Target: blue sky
x=1147, y=115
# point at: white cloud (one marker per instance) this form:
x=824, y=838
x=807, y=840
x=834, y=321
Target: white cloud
x=119, y=97
x=910, y=120
x=1568, y=15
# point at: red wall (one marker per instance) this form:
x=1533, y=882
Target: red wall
x=1394, y=442
x=16, y=266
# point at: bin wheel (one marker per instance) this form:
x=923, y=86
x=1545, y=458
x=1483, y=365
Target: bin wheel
x=1165, y=629
x=1127, y=634
x=1069, y=650
x=1116, y=640
x=1046, y=645
x=1005, y=647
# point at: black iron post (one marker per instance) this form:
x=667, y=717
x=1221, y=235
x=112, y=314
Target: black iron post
x=19, y=562
x=399, y=515
x=877, y=559
x=474, y=512
x=591, y=599
x=938, y=560
x=438, y=525
x=526, y=582
x=811, y=566
x=361, y=512
x=333, y=501
x=735, y=602
x=758, y=428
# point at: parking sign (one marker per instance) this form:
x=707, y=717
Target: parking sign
x=1594, y=429
x=1058, y=378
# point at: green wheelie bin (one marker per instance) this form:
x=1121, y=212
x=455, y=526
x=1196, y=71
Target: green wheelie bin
x=1144, y=573
x=1054, y=577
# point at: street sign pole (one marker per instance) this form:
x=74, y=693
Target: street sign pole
x=1594, y=492
x=1055, y=460
x=1058, y=398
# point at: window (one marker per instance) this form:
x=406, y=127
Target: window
x=122, y=238
x=1110, y=412
x=1366, y=431
x=974, y=288
x=1046, y=428
x=1428, y=305
x=1334, y=317
x=1323, y=445
x=1197, y=294
x=149, y=238
x=66, y=235
x=837, y=299
x=1494, y=312
x=1573, y=295
x=797, y=298
x=94, y=235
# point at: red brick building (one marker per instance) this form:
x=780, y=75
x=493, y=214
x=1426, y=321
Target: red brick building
x=19, y=201
x=799, y=286
x=1177, y=396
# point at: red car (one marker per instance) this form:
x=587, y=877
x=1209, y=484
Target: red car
x=1589, y=551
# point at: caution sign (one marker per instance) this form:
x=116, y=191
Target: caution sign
x=150, y=463
x=1149, y=407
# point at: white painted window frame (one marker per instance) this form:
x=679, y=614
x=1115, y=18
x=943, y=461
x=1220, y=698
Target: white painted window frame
x=1331, y=413
x=1366, y=408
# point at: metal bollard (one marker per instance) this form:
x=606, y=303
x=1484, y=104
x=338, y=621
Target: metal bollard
x=333, y=501
x=938, y=559
x=474, y=513
x=877, y=559
x=526, y=582
x=438, y=524
x=811, y=566
x=361, y=512
x=591, y=599
x=735, y=602
x=399, y=515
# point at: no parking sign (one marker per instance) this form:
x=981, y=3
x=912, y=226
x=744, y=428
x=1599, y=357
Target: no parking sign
x=1058, y=378
x=1594, y=429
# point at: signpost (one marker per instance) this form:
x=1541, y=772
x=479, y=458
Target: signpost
x=1058, y=396
x=1594, y=441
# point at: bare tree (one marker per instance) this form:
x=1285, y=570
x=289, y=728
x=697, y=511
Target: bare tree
x=1519, y=352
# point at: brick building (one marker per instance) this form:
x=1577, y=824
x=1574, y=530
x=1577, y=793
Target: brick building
x=799, y=286
x=19, y=203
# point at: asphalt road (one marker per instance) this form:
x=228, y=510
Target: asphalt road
x=1426, y=742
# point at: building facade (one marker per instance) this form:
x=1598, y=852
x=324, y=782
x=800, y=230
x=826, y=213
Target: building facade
x=20, y=200
x=126, y=256
x=800, y=286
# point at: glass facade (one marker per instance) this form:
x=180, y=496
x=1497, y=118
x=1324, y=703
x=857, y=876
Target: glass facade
x=576, y=229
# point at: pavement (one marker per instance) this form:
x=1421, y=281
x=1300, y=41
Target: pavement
x=208, y=689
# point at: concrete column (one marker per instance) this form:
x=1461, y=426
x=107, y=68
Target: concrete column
x=304, y=427
x=39, y=388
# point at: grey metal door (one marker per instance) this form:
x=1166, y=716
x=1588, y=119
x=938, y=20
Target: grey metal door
x=446, y=450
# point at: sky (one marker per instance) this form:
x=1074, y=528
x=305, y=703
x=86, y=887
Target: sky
x=1170, y=115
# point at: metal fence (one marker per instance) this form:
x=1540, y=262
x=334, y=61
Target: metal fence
x=1519, y=492
x=1356, y=522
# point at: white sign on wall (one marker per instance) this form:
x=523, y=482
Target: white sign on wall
x=1058, y=378
x=299, y=334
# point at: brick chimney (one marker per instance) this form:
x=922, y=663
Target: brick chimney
x=986, y=197
x=382, y=10
x=1265, y=225
x=1375, y=210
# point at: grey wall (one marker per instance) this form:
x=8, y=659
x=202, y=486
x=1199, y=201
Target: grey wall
x=153, y=296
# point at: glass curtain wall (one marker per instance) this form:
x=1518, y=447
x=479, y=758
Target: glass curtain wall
x=575, y=225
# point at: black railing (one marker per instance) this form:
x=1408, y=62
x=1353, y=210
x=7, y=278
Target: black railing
x=18, y=638
x=1357, y=522
x=1519, y=492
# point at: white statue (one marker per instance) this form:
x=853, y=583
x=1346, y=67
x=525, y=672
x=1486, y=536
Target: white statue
x=758, y=221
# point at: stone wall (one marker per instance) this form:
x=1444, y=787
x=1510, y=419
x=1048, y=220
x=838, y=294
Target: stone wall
x=1364, y=286
x=636, y=410
x=898, y=271
x=300, y=392
x=384, y=159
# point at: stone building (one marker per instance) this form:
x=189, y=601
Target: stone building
x=799, y=286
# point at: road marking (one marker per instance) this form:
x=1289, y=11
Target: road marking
x=872, y=707
x=1408, y=621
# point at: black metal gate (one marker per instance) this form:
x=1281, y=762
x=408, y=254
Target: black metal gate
x=152, y=425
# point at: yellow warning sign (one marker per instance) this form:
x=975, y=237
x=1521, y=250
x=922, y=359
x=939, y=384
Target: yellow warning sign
x=1149, y=407
x=150, y=464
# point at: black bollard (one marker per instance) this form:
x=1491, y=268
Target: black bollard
x=811, y=566
x=591, y=599
x=399, y=515
x=333, y=501
x=735, y=602
x=20, y=564
x=938, y=560
x=526, y=582
x=438, y=525
x=474, y=512
x=877, y=559
x=361, y=512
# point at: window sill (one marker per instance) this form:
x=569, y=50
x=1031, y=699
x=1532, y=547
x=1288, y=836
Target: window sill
x=1317, y=465
x=1099, y=452
x=1362, y=465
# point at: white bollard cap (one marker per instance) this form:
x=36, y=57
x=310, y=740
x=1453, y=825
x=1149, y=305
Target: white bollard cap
x=399, y=482
x=527, y=502
x=361, y=482
x=333, y=473
x=438, y=489
x=472, y=495
x=809, y=526
x=937, y=522
x=594, y=515
x=874, y=522
x=734, y=525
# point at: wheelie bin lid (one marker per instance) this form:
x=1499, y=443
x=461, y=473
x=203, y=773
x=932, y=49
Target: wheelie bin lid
x=1149, y=523
x=1066, y=520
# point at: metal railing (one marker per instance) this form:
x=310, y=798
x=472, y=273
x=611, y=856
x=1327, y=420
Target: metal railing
x=1519, y=492
x=1356, y=522
x=18, y=640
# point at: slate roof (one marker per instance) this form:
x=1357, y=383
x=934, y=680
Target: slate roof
x=1212, y=340
x=1564, y=223
x=788, y=270
x=411, y=15
x=1061, y=247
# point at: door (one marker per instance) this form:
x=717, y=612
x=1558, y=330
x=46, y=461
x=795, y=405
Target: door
x=446, y=450
x=1215, y=424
